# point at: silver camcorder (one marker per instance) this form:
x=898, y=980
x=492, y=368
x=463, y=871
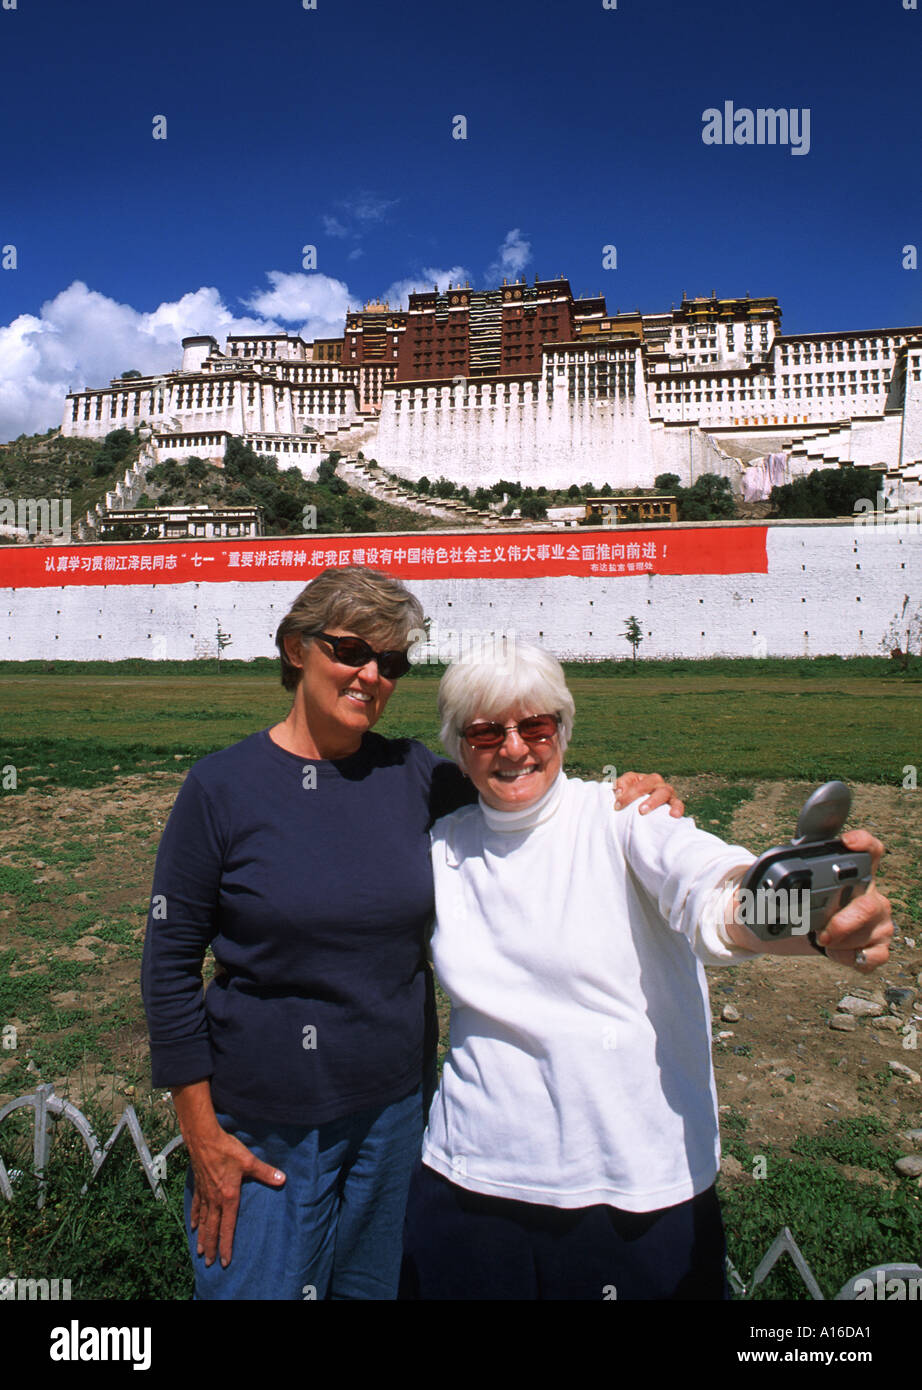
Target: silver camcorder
x=793, y=890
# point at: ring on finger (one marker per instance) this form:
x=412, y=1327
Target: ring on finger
x=860, y=958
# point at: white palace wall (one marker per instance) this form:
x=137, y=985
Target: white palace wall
x=591, y=440
x=829, y=588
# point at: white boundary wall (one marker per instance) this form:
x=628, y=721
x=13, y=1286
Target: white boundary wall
x=831, y=588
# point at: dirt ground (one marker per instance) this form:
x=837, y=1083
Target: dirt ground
x=118, y=828
x=780, y=1065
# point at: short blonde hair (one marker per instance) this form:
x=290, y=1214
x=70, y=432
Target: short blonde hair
x=492, y=683
x=363, y=601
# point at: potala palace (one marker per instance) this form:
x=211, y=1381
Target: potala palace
x=527, y=382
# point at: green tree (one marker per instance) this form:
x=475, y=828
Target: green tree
x=196, y=468
x=114, y=452
x=223, y=640
x=350, y=516
x=327, y=479
x=240, y=461
x=708, y=499
x=288, y=511
x=825, y=492
x=633, y=634
x=903, y=637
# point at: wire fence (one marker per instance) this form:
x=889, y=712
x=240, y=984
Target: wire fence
x=49, y=1108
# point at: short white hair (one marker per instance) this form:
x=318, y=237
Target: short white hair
x=492, y=683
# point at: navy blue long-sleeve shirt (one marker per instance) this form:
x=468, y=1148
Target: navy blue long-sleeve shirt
x=315, y=900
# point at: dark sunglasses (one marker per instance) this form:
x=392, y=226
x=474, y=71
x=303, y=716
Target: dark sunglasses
x=353, y=651
x=537, y=728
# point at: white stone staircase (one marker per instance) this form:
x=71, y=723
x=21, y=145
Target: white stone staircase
x=125, y=494
x=834, y=446
x=358, y=473
x=829, y=446
x=352, y=436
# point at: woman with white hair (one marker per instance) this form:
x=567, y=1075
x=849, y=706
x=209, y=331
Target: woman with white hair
x=572, y=1148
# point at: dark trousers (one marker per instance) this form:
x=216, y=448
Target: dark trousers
x=461, y=1245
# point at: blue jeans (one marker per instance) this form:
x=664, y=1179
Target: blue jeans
x=334, y=1231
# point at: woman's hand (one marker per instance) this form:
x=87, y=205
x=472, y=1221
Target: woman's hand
x=631, y=785
x=859, y=934
x=220, y=1164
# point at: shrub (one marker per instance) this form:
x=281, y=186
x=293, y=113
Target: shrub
x=826, y=492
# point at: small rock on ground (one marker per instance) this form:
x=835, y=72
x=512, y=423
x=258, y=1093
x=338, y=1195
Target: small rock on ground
x=859, y=1008
x=902, y=1070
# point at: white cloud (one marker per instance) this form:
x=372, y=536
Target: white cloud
x=367, y=207
x=333, y=227
x=316, y=302
x=396, y=294
x=512, y=257
x=83, y=338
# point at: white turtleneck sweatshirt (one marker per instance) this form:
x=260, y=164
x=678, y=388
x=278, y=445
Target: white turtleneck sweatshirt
x=571, y=940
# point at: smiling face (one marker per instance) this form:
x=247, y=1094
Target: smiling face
x=338, y=703
x=517, y=773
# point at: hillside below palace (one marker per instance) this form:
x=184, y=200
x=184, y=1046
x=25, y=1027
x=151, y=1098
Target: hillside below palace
x=528, y=383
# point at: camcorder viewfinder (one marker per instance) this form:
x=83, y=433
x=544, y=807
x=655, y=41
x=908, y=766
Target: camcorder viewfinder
x=794, y=889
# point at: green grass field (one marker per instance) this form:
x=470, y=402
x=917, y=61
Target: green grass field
x=99, y=752
x=73, y=724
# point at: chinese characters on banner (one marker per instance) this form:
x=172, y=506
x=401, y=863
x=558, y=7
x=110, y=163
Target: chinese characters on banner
x=527, y=555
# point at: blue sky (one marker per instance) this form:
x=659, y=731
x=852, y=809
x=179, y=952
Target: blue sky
x=333, y=128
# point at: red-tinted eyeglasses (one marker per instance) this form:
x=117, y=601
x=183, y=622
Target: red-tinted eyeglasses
x=353, y=651
x=537, y=728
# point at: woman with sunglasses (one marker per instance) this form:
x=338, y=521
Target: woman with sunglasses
x=572, y=1147
x=301, y=857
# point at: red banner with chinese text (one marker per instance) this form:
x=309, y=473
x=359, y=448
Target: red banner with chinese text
x=487, y=555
